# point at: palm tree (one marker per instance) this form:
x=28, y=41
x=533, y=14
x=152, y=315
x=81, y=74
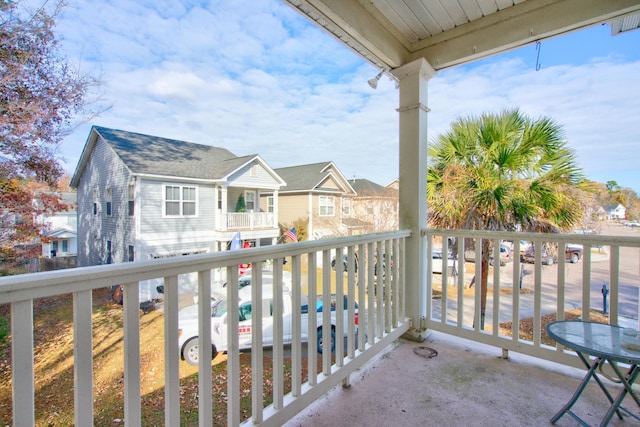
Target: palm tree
x=502, y=172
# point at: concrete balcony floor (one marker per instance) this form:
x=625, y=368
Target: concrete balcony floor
x=465, y=384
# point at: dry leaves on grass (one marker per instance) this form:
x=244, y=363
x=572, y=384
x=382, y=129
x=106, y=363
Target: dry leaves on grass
x=526, y=325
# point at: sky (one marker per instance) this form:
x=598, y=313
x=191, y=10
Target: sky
x=255, y=77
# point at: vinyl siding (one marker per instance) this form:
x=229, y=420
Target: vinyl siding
x=261, y=180
x=162, y=234
x=104, y=170
x=292, y=207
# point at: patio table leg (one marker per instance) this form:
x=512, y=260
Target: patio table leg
x=627, y=381
x=590, y=373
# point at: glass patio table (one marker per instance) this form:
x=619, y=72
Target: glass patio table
x=608, y=344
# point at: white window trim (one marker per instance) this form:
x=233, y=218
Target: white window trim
x=180, y=201
x=332, y=205
x=255, y=200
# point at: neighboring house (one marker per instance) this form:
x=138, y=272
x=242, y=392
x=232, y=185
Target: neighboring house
x=143, y=197
x=318, y=193
x=615, y=211
x=61, y=229
x=375, y=207
x=395, y=184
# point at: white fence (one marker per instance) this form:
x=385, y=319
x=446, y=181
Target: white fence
x=605, y=280
x=381, y=314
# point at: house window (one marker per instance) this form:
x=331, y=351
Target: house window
x=95, y=202
x=219, y=199
x=327, y=205
x=370, y=207
x=109, y=258
x=131, y=253
x=64, y=246
x=346, y=207
x=131, y=195
x=270, y=204
x=250, y=200
x=108, y=201
x=180, y=201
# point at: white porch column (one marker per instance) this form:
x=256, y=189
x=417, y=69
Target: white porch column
x=275, y=208
x=223, y=211
x=413, y=111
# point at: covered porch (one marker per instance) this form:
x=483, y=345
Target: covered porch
x=399, y=307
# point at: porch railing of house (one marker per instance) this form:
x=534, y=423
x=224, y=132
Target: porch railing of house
x=453, y=306
x=381, y=316
x=250, y=220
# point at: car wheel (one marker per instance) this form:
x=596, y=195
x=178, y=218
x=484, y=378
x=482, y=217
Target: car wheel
x=190, y=351
x=321, y=340
x=575, y=258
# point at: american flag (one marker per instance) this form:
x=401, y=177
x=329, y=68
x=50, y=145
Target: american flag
x=291, y=234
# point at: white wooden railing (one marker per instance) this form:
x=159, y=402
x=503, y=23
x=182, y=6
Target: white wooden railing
x=381, y=314
x=545, y=289
x=249, y=220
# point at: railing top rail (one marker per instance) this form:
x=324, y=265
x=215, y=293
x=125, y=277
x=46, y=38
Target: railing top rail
x=44, y=284
x=592, y=239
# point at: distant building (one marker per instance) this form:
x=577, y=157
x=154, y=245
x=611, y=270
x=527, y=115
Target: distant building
x=61, y=230
x=318, y=193
x=615, y=211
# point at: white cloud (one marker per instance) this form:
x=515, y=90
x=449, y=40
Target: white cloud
x=256, y=78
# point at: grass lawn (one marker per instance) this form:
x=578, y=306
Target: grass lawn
x=53, y=363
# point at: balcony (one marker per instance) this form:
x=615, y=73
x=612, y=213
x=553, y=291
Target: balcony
x=465, y=375
x=248, y=220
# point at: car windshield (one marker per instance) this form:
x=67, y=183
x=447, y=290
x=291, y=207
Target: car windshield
x=219, y=308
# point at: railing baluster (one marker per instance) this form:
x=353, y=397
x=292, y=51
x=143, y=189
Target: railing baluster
x=614, y=284
x=326, y=310
x=278, y=331
x=496, y=287
x=233, y=349
x=257, y=353
x=517, y=278
x=561, y=284
x=388, y=285
x=478, y=286
x=351, y=298
x=131, y=325
x=171, y=357
x=586, y=283
x=312, y=324
x=379, y=288
x=363, y=313
x=371, y=290
x=205, y=407
x=340, y=310
x=296, y=327
x=22, y=363
x=83, y=358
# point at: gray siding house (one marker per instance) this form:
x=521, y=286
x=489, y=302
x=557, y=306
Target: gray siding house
x=143, y=197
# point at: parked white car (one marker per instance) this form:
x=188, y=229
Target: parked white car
x=219, y=288
x=436, y=261
x=188, y=324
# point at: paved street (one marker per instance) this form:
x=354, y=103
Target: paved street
x=600, y=270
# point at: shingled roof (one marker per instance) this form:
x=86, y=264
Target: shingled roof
x=311, y=177
x=153, y=155
x=146, y=154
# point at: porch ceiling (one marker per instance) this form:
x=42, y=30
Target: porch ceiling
x=391, y=33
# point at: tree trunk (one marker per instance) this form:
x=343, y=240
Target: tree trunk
x=484, y=278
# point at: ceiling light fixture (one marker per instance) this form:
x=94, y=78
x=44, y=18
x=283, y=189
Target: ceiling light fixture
x=374, y=81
